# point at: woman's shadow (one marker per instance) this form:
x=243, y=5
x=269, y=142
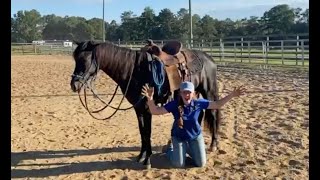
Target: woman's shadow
x=158, y=160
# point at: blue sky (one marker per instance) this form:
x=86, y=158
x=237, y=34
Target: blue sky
x=220, y=9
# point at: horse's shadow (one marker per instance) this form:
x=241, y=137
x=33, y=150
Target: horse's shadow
x=158, y=160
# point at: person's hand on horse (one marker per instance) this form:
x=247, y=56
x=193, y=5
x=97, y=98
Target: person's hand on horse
x=238, y=91
x=147, y=91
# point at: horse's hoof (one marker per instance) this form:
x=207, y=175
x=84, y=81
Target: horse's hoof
x=140, y=160
x=213, y=148
x=148, y=166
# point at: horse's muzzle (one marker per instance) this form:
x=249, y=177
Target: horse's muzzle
x=75, y=85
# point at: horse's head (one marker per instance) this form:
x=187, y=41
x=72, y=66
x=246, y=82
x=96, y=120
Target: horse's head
x=85, y=67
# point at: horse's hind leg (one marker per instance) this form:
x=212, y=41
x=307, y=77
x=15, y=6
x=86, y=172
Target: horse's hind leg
x=144, y=119
x=214, y=140
x=211, y=117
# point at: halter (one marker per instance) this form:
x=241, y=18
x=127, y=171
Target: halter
x=86, y=75
x=84, y=79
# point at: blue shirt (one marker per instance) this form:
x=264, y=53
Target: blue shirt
x=191, y=127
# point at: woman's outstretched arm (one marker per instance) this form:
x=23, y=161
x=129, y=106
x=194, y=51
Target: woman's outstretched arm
x=219, y=103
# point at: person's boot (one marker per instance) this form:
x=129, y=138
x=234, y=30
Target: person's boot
x=165, y=147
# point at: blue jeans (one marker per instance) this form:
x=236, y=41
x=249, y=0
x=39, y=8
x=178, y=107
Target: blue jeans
x=176, y=153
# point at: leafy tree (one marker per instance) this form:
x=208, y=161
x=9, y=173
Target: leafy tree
x=26, y=25
x=113, y=31
x=207, y=28
x=225, y=27
x=56, y=29
x=83, y=31
x=184, y=23
x=147, y=23
x=279, y=19
x=168, y=25
x=96, y=24
x=305, y=16
x=129, y=27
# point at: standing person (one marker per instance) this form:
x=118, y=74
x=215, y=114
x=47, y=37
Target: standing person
x=186, y=134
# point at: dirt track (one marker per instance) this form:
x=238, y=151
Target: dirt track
x=264, y=135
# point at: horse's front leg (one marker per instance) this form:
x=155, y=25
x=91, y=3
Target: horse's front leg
x=144, y=119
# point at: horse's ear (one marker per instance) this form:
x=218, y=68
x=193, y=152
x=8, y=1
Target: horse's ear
x=92, y=44
x=150, y=42
x=76, y=42
x=156, y=50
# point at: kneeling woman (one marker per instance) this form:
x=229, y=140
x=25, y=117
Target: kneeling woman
x=186, y=134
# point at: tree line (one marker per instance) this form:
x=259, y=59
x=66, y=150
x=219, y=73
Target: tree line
x=27, y=26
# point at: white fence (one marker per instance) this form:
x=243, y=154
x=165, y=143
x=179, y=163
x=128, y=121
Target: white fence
x=282, y=52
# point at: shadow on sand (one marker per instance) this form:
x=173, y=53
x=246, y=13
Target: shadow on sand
x=158, y=160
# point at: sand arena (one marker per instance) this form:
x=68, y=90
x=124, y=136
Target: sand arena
x=263, y=136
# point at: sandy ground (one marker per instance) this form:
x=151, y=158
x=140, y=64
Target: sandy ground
x=263, y=136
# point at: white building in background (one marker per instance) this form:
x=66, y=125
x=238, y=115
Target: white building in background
x=38, y=42
x=67, y=44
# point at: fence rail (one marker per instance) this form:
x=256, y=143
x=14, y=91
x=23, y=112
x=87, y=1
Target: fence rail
x=29, y=48
x=282, y=52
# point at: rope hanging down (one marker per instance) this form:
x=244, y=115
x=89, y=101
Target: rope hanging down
x=158, y=74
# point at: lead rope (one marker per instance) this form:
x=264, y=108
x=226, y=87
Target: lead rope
x=85, y=98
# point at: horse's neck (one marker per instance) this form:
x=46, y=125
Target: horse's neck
x=119, y=64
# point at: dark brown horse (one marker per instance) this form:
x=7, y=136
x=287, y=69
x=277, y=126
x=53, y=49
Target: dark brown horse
x=126, y=66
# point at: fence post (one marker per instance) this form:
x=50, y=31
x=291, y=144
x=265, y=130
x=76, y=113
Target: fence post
x=282, y=52
x=119, y=42
x=51, y=50
x=298, y=42
x=297, y=50
x=267, y=51
x=263, y=51
x=211, y=50
x=35, y=48
x=222, y=48
x=234, y=51
x=302, y=50
x=249, y=48
x=22, y=49
x=267, y=43
x=241, y=49
x=202, y=45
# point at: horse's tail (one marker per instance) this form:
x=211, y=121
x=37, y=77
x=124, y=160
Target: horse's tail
x=210, y=85
x=213, y=120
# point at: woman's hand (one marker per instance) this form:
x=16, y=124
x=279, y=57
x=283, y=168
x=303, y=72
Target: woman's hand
x=148, y=91
x=238, y=91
